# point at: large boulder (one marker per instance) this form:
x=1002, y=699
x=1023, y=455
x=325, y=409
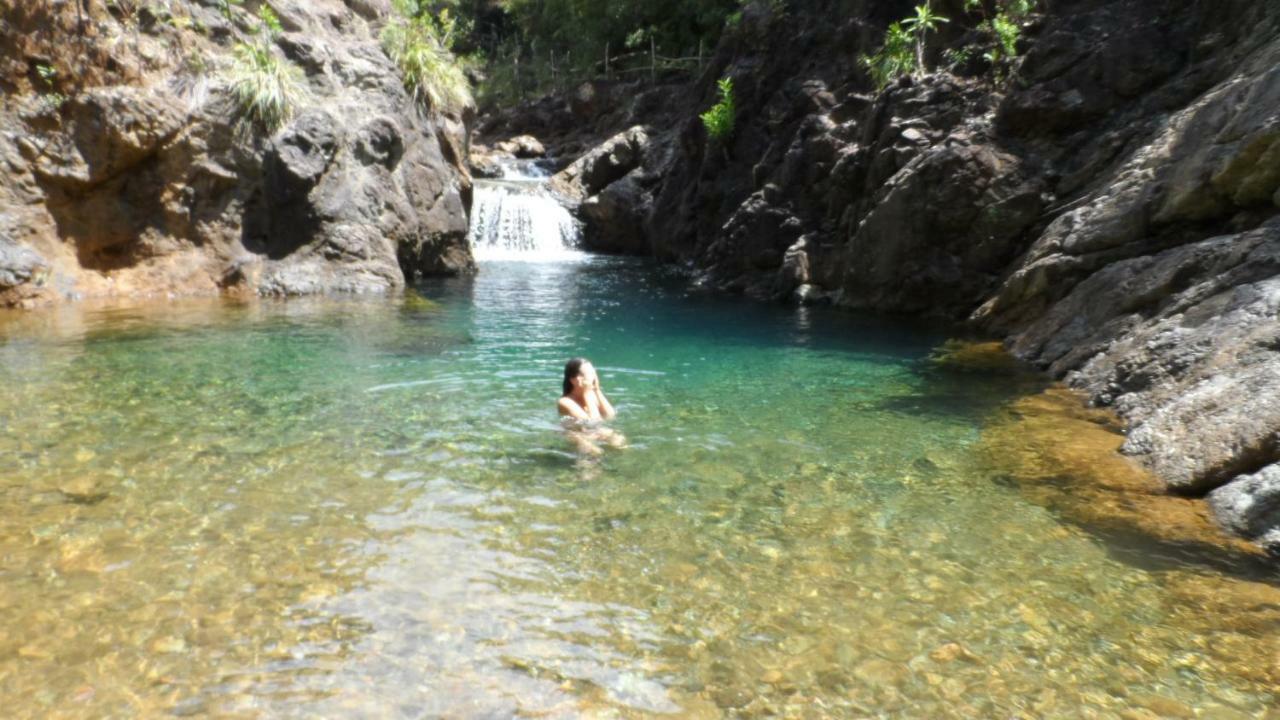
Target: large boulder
x=604, y=164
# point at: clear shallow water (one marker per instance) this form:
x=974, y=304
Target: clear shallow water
x=366, y=508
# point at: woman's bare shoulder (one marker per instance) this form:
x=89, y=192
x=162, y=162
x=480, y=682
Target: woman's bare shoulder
x=569, y=407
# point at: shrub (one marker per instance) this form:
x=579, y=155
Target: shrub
x=431, y=73
x=270, y=21
x=719, y=119
x=267, y=89
x=896, y=57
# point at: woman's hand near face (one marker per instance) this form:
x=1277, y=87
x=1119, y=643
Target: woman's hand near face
x=606, y=408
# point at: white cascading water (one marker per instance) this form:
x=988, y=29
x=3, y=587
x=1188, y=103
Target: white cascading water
x=517, y=218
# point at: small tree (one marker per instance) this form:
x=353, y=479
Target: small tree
x=924, y=22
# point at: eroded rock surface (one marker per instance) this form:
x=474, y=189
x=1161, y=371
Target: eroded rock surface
x=146, y=181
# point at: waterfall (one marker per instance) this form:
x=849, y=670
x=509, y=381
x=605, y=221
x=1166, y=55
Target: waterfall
x=517, y=218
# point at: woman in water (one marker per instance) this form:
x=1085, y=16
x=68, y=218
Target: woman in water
x=584, y=402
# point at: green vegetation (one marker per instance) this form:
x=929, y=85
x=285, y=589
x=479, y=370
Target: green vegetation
x=895, y=59
x=227, y=8
x=267, y=88
x=719, y=119
x=530, y=47
x=270, y=21
x=902, y=53
x=924, y=22
x=419, y=43
x=49, y=79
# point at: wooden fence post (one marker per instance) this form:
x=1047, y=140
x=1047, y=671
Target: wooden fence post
x=653, y=60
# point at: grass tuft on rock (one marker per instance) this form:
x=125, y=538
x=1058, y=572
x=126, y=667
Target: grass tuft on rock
x=267, y=89
x=431, y=73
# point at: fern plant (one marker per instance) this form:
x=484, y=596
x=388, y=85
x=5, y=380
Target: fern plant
x=431, y=73
x=719, y=119
x=267, y=89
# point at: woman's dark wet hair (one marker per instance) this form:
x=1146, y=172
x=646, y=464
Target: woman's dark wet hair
x=571, y=370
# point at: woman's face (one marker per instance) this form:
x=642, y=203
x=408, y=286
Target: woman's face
x=587, y=376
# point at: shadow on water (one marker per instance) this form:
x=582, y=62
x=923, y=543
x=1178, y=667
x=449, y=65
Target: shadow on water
x=653, y=302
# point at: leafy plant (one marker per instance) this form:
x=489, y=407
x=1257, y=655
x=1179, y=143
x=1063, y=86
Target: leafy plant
x=957, y=57
x=270, y=21
x=895, y=59
x=924, y=22
x=419, y=46
x=720, y=118
x=49, y=78
x=1007, y=33
x=902, y=52
x=267, y=89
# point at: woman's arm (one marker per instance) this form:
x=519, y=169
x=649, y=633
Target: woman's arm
x=571, y=408
x=606, y=408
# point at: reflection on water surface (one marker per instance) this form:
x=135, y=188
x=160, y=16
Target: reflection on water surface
x=365, y=508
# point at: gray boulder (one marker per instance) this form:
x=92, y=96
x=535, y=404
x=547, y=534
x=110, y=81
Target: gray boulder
x=1250, y=507
x=605, y=164
x=18, y=264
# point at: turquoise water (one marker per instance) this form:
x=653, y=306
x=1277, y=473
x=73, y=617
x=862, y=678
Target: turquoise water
x=367, y=508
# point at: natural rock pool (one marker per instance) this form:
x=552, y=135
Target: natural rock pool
x=366, y=508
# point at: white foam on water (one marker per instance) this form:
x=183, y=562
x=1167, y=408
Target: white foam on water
x=518, y=220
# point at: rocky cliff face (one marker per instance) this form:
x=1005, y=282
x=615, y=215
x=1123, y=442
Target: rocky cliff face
x=127, y=170
x=1111, y=207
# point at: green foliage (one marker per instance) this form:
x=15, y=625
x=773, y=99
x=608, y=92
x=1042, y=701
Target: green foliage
x=719, y=119
x=227, y=8
x=529, y=47
x=895, y=59
x=270, y=21
x=924, y=22
x=419, y=46
x=49, y=79
x=903, y=50
x=1007, y=33
x=957, y=57
x=267, y=89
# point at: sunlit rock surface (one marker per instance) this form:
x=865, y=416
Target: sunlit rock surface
x=142, y=181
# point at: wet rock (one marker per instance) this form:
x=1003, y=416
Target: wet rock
x=607, y=163
x=18, y=264
x=522, y=146
x=1250, y=507
x=951, y=652
x=881, y=673
x=615, y=218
